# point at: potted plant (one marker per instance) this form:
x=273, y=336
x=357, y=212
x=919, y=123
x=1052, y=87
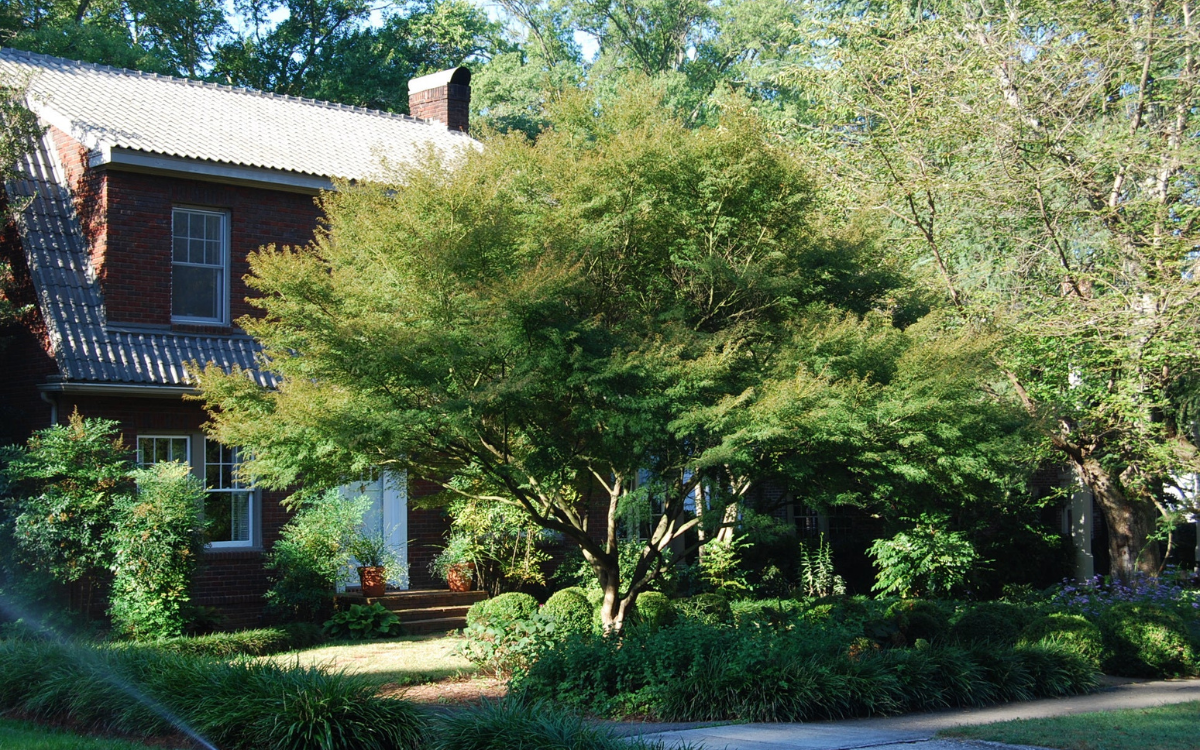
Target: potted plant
x=456, y=563
x=373, y=556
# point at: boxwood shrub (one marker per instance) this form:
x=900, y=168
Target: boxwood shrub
x=1146, y=640
x=501, y=610
x=654, y=610
x=1070, y=631
x=991, y=622
x=919, y=619
x=570, y=611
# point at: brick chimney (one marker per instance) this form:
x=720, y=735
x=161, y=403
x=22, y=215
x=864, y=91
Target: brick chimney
x=444, y=96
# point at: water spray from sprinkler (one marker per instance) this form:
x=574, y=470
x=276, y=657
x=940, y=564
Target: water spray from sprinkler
x=15, y=612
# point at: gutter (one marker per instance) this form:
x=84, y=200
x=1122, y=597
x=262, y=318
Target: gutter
x=53, y=406
x=113, y=389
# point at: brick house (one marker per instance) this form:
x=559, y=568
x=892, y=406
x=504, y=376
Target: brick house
x=135, y=216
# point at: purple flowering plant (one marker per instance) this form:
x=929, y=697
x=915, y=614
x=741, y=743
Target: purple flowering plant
x=1095, y=595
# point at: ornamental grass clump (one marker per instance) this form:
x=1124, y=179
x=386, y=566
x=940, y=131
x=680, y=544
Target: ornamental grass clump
x=512, y=724
x=695, y=672
x=235, y=705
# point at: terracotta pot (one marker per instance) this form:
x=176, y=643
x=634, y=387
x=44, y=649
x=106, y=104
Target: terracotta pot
x=373, y=581
x=461, y=577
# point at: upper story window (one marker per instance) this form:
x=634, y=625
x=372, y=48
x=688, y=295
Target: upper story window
x=200, y=266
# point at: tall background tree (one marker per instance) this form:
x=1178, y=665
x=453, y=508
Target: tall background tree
x=1038, y=158
x=348, y=51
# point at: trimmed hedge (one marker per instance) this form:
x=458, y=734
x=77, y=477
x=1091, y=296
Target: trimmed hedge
x=654, y=609
x=502, y=610
x=692, y=672
x=1070, y=631
x=919, y=619
x=1145, y=640
x=991, y=622
x=570, y=611
x=233, y=704
x=261, y=642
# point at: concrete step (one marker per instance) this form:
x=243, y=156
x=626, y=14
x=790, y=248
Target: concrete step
x=431, y=613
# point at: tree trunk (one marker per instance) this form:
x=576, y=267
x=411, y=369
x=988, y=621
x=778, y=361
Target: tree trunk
x=1130, y=523
x=613, y=609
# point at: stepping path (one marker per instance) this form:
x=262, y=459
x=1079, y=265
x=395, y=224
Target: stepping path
x=911, y=731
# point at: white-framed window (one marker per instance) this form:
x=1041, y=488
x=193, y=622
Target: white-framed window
x=199, y=265
x=152, y=449
x=229, y=504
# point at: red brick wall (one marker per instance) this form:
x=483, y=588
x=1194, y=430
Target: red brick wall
x=136, y=270
x=427, y=533
x=25, y=351
x=232, y=581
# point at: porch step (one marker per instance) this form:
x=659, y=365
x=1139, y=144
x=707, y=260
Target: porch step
x=441, y=625
x=428, y=610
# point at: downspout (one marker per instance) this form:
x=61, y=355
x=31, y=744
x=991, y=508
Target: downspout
x=53, y=407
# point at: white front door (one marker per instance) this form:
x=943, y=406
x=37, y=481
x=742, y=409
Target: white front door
x=387, y=516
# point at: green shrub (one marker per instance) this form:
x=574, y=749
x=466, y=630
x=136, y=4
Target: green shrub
x=570, y=611
x=709, y=609
x=919, y=619
x=1144, y=640
x=721, y=568
x=771, y=613
x=156, y=541
x=59, y=490
x=695, y=672
x=928, y=560
x=503, y=609
x=312, y=554
x=990, y=622
x=512, y=724
x=1073, y=632
x=504, y=648
x=654, y=609
x=362, y=621
x=238, y=705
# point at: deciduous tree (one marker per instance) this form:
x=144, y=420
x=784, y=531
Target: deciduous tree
x=1039, y=159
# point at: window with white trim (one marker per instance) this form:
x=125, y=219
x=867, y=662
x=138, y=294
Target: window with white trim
x=229, y=504
x=200, y=265
x=152, y=449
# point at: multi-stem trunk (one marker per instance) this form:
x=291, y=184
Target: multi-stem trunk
x=1131, y=522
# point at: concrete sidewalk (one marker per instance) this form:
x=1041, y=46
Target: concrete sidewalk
x=912, y=731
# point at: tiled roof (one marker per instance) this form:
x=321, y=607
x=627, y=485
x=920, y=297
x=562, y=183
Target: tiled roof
x=85, y=349
x=107, y=108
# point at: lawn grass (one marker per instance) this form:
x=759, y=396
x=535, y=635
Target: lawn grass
x=1165, y=728
x=22, y=735
x=408, y=660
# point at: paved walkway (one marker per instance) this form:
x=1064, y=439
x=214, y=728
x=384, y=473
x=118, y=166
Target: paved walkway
x=912, y=731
